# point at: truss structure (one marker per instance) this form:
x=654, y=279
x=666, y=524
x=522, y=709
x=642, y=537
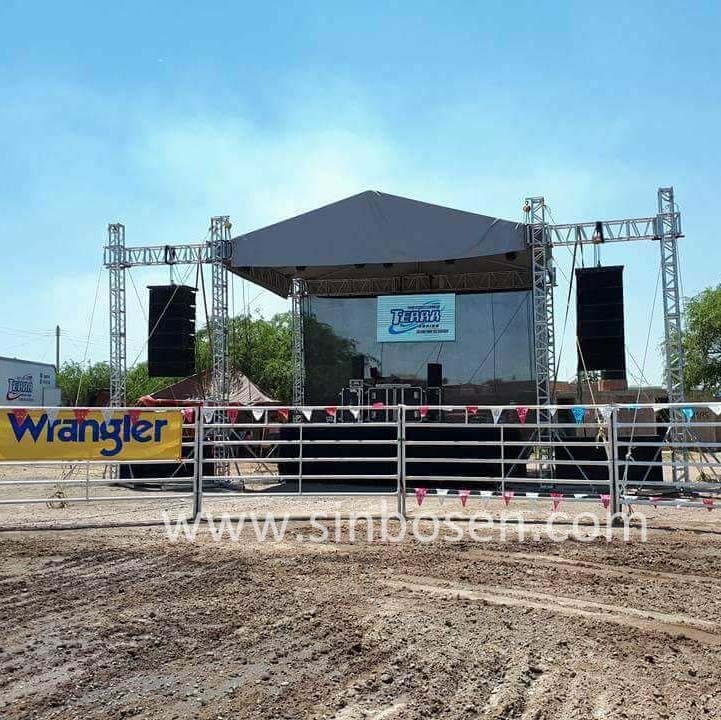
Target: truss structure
x=118, y=258
x=544, y=339
x=220, y=246
x=669, y=228
x=115, y=261
x=421, y=282
x=299, y=294
x=665, y=227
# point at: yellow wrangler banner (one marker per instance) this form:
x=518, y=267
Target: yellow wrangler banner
x=83, y=434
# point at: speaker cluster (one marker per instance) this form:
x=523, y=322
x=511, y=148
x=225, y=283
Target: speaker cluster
x=599, y=321
x=171, y=331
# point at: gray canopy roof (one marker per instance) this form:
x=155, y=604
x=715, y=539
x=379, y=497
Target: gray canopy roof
x=372, y=228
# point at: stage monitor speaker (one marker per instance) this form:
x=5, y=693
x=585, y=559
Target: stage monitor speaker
x=171, y=331
x=599, y=321
x=358, y=363
x=435, y=375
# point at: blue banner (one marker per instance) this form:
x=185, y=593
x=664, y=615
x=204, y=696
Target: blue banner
x=416, y=318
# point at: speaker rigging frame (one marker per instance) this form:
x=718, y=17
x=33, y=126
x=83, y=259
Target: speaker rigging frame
x=664, y=227
x=117, y=258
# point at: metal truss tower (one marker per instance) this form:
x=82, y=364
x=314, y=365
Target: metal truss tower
x=216, y=252
x=668, y=230
x=664, y=227
x=220, y=254
x=298, y=297
x=544, y=352
x=115, y=262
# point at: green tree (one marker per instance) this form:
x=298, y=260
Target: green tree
x=260, y=349
x=702, y=340
x=79, y=382
x=329, y=360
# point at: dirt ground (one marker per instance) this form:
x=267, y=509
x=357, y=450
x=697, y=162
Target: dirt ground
x=122, y=623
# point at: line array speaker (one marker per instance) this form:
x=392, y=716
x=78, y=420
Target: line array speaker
x=171, y=331
x=599, y=321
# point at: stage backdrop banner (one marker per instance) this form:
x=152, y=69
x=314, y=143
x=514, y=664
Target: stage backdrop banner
x=74, y=435
x=416, y=318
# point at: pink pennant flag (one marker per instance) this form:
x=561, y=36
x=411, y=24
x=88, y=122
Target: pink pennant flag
x=232, y=415
x=708, y=502
x=378, y=405
x=606, y=501
x=420, y=494
x=557, y=499
x=20, y=414
x=187, y=414
x=472, y=409
x=331, y=411
x=423, y=410
x=507, y=497
x=464, y=495
x=134, y=416
x=80, y=413
x=284, y=413
x=522, y=412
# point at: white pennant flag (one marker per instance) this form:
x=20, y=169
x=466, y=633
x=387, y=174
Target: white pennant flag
x=496, y=413
x=715, y=408
x=578, y=496
x=208, y=414
x=606, y=412
x=258, y=414
x=52, y=413
x=486, y=494
x=441, y=492
x=533, y=497
x=553, y=411
x=355, y=412
x=657, y=408
x=307, y=413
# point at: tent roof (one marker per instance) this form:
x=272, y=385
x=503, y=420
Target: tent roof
x=371, y=228
x=195, y=387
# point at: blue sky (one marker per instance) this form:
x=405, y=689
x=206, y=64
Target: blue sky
x=162, y=114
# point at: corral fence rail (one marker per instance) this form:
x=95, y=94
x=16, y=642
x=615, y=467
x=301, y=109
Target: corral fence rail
x=620, y=455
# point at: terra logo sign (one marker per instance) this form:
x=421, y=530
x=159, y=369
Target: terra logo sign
x=404, y=320
x=20, y=388
x=416, y=318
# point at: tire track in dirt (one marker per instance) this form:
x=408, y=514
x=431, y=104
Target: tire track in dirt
x=593, y=568
x=677, y=625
